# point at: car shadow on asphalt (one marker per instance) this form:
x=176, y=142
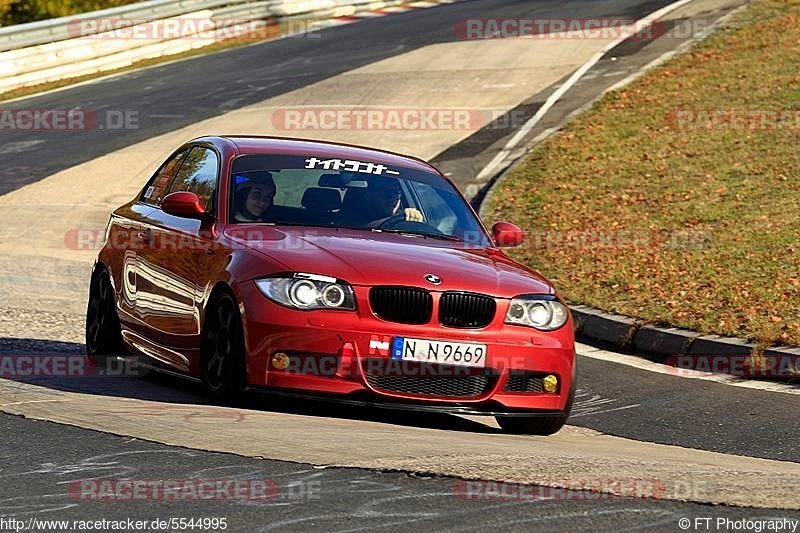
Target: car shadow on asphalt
x=132, y=381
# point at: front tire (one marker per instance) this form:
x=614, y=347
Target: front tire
x=103, y=332
x=224, y=370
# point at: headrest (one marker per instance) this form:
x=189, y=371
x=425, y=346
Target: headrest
x=319, y=199
x=384, y=183
x=333, y=180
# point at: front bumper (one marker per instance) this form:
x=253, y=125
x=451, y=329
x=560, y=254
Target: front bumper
x=338, y=354
x=481, y=409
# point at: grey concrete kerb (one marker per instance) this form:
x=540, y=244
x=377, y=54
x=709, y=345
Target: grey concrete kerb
x=663, y=342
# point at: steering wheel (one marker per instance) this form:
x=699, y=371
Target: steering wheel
x=398, y=222
x=392, y=221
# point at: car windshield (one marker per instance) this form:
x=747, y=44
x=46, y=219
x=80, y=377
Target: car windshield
x=355, y=194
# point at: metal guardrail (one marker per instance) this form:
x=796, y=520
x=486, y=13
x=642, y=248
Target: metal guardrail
x=68, y=47
x=271, y=8
x=59, y=29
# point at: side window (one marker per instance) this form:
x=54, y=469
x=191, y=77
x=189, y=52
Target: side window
x=156, y=190
x=198, y=174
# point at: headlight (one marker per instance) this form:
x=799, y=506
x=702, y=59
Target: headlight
x=542, y=312
x=308, y=291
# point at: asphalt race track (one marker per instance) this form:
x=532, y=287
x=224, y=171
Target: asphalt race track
x=335, y=499
x=710, y=449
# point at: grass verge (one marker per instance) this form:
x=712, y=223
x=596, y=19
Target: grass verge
x=676, y=199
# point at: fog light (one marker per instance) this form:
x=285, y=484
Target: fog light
x=550, y=383
x=280, y=361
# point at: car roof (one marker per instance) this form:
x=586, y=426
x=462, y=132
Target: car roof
x=252, y=144
x=256, y=144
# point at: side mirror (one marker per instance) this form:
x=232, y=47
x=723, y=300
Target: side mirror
x=507, y=235
x=183, y=204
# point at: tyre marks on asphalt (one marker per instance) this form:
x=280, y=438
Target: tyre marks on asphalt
x=309, y=499
x=588, y=404
x=713, y=414
x=467, y=452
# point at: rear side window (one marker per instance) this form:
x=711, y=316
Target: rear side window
x=157, y=189
x=198, y=174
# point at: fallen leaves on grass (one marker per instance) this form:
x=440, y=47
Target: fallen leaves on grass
x=625, y=166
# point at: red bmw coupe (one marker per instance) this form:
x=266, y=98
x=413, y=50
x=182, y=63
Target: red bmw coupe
x=307, y=268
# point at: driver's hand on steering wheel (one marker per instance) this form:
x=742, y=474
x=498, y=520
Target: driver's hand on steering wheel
x=413, y=215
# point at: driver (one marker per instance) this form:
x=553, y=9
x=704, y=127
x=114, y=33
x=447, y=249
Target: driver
x=255, y=191
x=383, y=201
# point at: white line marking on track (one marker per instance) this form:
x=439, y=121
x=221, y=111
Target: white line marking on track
x=490, y=169
x=644, y=364
x=663, y=58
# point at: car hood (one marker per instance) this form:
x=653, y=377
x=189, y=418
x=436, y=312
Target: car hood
x=374, y=258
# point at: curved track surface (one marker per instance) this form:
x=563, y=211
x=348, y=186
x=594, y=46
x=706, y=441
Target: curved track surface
x=701, y=441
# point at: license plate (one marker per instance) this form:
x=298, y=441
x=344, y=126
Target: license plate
x=440, y=352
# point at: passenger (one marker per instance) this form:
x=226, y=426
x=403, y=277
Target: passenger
x=255, y=192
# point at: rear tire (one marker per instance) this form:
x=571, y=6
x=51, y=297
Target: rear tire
x=539, y=425
x=103, y=332
x=223, y=361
